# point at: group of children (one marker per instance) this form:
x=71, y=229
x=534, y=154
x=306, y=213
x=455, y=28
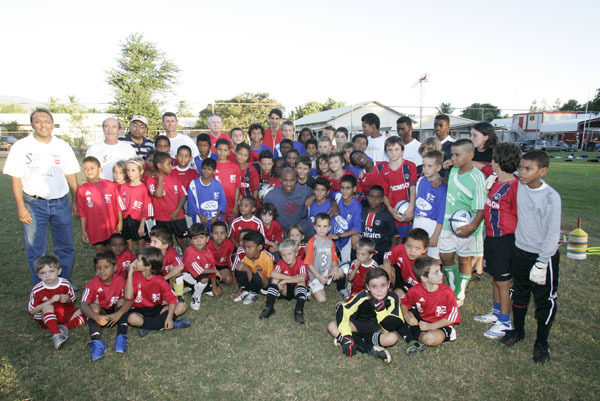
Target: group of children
x=382, y=243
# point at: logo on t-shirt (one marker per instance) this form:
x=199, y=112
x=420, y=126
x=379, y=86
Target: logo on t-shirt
x=291, y=208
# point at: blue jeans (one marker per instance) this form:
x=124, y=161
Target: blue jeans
x=57, y=214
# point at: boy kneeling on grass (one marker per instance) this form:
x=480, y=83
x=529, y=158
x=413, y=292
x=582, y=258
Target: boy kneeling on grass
x=368, y=321
x=254, y=271
x=429, y=308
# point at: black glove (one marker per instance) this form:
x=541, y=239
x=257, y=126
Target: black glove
x=348, y=346
x=380, y=304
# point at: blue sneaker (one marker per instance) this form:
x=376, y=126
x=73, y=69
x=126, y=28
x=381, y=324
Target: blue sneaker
x=181, y=324
x=98, y=347
x=143, y=332
x=121, y=344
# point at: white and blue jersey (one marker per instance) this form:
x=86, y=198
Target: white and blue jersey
x=205, y=199
x=431, y=202
x=349, y=219
x=197, y=162
x=314, y=209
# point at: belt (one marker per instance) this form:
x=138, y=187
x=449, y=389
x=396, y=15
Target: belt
x=36, y=197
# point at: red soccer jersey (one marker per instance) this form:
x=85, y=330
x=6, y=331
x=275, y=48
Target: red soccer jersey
x=230, y=177
x=151, y=292
x=501, y=209
x=358, y=284
x=367, y=180
x=250, y=181
x=239, y=223
x=399, y=182
x=223, y=254
x=123, y=262
x=298, y=268
x=106, y=296
x=99, y=202
x=213, y=140
x=302, y=250
x=172, y=191
x=275, y=181
x=137, y=201
x=398, y=256
x=433, y=306
x=186, y=175
x=271, y=140
x=170, y=260
x=274, y=232
x=195, y=261
x=335, y=182
x=40, y=293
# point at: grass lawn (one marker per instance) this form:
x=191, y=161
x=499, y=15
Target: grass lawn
x=228, y=354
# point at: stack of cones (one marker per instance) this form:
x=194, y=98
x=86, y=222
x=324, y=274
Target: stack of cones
x=578, y=243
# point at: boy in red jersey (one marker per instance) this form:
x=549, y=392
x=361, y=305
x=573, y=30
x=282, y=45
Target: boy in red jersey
x=118, y=247
x=200, y=264
x=429, y=308
x=184, y=170
x=273, y=230
x=230, y=177
x=500, y=216
x=364, y=262
x=288, y=280
x=250, y=181
x=99, y=206
x=273, y=134
x=52, y=301
x=162, y=239
x=168, y=198
x=399, y=261
x=104, y=305
x=371, y=172
x=247, y=219
x=400, y=177
x=222, y=249
x=147, y=288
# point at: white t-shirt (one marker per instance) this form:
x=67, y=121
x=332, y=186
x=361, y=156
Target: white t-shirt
x=179, y=140
x=411, y=152
x=109, y=155
x=376, y=149
x=42, y=166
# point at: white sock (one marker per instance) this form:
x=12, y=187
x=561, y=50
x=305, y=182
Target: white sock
x=199, y=288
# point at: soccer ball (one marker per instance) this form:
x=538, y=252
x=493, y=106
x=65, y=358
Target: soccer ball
x=264, y=190
x=458, y=219
x=401, y=207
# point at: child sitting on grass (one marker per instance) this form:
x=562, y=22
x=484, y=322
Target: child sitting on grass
x=118, y=246
x=52, y=301
x=104, y=305
x=399, y=261
x=222, y=249
x=254, y=271
x=368, y=321
x=288, y=281
x=365, y=248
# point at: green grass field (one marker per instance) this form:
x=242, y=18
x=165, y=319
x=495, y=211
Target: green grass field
x=228, y=354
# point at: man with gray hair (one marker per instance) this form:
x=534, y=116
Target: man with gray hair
x=215, y=124
x=110, y=150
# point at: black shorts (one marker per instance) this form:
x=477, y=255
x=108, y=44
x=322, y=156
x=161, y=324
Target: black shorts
x=497, y=252
x=416, y=330
x=219, y=268
x=149, y=311
x=130, y=230
x=106, y=242
x=200, y=278
x=399, y=283
x=366, y=328
x=177, y=227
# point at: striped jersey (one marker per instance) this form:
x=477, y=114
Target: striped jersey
x=465, y=192
x=40, y=293
x=501, y=209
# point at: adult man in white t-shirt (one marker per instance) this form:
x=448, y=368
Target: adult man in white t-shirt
x=411, y=145
x=43, y=170
x=169, y=122
x=376, y=148
x=110, y=150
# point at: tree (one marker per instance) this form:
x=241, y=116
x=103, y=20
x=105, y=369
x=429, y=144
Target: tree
x=142, y=74
x=481, y=112
x=593, y=105
x=571, y=105
x=315, y=107
x=240, y=115
x=445, y=108
x=183, y=109
x=12, y=108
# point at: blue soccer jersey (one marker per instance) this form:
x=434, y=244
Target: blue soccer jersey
x=314, y=209
x=205, y=199
x=348, y=219
x=431, y=202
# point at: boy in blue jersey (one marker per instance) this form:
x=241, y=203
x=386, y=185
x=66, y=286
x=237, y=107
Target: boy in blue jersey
x=431, y=202
x=321, y=203
x=206, y=200
x=203, y=142
x=346, y=227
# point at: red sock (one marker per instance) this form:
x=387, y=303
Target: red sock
x=51, y=322
x=78, y=321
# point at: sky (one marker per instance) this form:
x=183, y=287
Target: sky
x=505, y=53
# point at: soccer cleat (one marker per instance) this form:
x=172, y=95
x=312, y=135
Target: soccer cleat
x=488, y=318
x=209, y=293
x=63, y=330
x=452, y=334
x=344, y=293
x=58, y=340
x=121, y=344
x=381, y=353
x=511, y=338
x=264, y=291
x=299, y=317
x=241, y=297
x=97, y=349
x=143, y=332
x=267, y=312
x=195, y=303
x=541, y=353
x=250, y=298
x=414, y=347
x=498, y=330
x=181, y=324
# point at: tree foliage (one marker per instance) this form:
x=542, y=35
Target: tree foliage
x=474, y=112
x=237, y=114
x=570, y=105
x=315, y=107
x=183, y=109
x=142, y=74
x=593, y=105
x=12, y=108
x=445, y=108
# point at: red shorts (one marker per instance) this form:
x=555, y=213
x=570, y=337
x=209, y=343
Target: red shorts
x=63, y=315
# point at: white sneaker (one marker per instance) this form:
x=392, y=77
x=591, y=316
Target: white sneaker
x=498, y=330
x=489, y=318
x=209, y=293
x=195, y=303
x=452, y=334
x=241, y=297
x=250, y=298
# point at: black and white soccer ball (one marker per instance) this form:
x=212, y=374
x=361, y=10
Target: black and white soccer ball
x=459, y=219
x=264, y=190
x=401, y=207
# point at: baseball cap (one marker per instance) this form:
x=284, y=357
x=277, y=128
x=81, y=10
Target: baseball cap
x=140, y=118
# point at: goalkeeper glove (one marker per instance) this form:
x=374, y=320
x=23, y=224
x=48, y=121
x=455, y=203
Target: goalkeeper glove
x=380, y=304
x=538, y=273
x=348, y=346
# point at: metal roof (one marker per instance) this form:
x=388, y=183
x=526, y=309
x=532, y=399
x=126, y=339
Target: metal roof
x=567, y=125
x=455, y=122
x=323, y=117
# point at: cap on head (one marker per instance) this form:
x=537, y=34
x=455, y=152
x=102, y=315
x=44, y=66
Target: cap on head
x=139, y=118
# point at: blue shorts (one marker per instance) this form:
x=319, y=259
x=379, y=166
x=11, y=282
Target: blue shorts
x=403, y=230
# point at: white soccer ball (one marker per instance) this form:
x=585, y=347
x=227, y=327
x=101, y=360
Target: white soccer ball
x=264, y=190
x=458, y=219
x=401, y=207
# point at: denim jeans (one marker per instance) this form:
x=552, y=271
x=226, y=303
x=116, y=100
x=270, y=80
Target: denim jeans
x=57, y=214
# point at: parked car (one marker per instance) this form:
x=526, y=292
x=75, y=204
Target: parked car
x=549, y=145
x=6, y=141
